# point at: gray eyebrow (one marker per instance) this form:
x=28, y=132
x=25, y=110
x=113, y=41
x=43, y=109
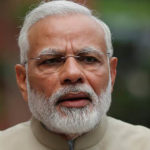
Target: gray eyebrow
x=87, y=50
x=51, y=51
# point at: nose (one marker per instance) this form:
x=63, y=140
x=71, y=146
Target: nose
x=71, y=73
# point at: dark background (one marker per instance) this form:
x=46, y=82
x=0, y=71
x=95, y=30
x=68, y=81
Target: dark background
x=129, y=22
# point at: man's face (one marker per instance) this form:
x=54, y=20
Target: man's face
x=67, y=36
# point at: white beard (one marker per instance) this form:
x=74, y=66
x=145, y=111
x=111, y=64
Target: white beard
x=75, y=120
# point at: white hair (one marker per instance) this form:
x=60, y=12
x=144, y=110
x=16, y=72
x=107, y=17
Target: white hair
x=76, y=121
x=52, y=8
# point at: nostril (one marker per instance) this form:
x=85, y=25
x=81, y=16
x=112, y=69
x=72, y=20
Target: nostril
x=71, y=73
x=69, y=81
x=80, y=80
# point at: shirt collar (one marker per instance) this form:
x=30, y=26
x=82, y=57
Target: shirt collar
x=57, y=142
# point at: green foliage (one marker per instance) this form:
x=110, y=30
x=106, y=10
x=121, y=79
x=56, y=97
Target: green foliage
x=22, y=10
x=129, y=22
x=137, y=12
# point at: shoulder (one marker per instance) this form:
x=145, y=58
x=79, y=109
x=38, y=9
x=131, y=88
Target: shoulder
x=16, y=137
x=132, y=136
x=19, y=137
x=120, y=125
x=18, y=129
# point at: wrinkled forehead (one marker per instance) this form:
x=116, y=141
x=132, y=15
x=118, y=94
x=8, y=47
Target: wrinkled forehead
x=71, y=26
x=77, y=18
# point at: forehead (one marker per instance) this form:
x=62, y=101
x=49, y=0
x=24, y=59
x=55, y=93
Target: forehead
x=66, y=32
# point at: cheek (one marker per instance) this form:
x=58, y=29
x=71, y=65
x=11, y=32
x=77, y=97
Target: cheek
x=98, y=80
x=42, y=84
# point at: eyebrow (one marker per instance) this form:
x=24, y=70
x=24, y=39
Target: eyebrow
x=50, y=51
x=85, y=50
x=88, y=50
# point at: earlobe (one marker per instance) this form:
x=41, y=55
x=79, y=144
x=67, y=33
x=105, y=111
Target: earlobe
x=21, y=80
x=113, y=72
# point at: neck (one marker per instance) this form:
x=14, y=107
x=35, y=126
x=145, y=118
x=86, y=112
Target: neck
x=68, y=137
x=71, y=136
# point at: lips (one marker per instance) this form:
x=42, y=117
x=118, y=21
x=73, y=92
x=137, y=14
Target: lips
x=74, y=100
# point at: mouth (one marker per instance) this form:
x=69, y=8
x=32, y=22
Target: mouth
x=74, y=100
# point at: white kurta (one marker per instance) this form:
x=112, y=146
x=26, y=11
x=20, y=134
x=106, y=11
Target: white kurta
x=110, y=134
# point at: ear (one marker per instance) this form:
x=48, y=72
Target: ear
x=113, y=66
x=21, y=80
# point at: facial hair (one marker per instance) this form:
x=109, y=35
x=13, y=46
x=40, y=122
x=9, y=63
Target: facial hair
x=74, y=120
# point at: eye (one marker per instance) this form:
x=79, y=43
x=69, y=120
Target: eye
x=88, y=59
x=52, y=61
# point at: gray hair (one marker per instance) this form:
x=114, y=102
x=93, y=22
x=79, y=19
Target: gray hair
x=60, y=7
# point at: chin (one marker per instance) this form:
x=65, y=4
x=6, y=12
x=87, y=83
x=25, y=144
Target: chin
x=70, y=120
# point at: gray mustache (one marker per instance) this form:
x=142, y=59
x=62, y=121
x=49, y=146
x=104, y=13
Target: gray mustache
x=73, y=89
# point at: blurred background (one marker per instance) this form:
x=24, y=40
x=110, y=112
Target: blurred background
x=129, y=22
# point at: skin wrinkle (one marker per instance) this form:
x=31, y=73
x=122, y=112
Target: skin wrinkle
x=68, y=50
x=55, y=121
x=53, y=51
x=41, y=87
x=57, y=8
x=71, y=38
x=56, y=52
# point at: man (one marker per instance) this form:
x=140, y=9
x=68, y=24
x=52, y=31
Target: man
x=66, y=75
